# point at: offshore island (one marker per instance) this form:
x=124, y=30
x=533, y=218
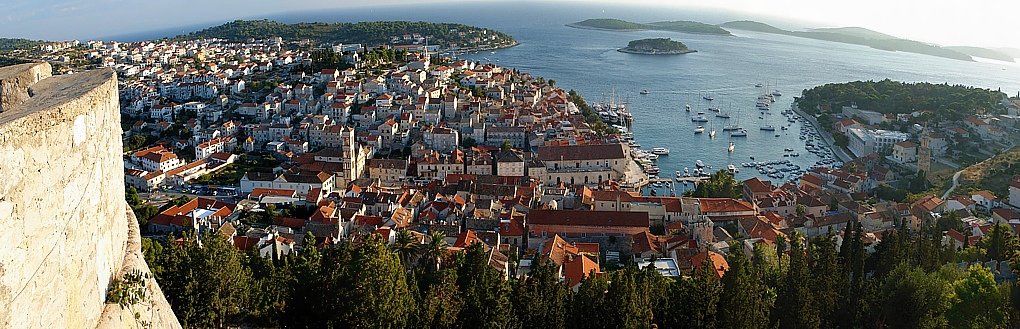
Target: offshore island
x=656, y=46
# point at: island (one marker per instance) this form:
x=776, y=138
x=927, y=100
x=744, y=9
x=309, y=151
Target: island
x=877, y=40
x=612, y=24
x=656, y=46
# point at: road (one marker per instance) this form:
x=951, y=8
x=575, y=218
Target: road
x=956, y=181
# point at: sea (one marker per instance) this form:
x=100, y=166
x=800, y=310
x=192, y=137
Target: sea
x=725, y=67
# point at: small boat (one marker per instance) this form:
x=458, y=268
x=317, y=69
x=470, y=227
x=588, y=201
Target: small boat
x=688, y=107
x=732, y=169
x=645, y=92
x=699, y=130
x=738, y=133
x=788, y=149
x=708, y=97
x=758, y=85
x=699, y=164
x=723, y=115
x=777, y=93
x=711, y=133
x=731, y=147
x=768, y=128
x=660, y=151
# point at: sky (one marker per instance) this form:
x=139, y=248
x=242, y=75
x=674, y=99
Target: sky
x=985, y=23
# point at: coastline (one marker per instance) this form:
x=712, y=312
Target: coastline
x=654, y=52
x=838, y=151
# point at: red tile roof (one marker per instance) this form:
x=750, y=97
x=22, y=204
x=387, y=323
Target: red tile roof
x=588, y=218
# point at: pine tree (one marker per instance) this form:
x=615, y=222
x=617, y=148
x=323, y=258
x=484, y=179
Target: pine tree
x=380, y=297
x=540, y=300
x=826, y=280
x=484, y=291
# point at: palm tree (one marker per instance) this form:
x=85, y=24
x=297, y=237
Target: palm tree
x=435, y=250
x=406, y=246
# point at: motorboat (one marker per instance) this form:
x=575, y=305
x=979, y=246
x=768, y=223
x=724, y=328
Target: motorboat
x=732, y=169
x=731, y=147
x=711, y=133
x=723, y=115
x=708, y=97
x=699, y=164
x=645, y=92
x=660, y=151
x=738, y=133
x=699, y=130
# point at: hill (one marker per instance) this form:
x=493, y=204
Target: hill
x=859, y=32
x=362, y=32
x=950, y=102
x=855, y=36
x=983, y=53
x=612, y=24
x=993, y=174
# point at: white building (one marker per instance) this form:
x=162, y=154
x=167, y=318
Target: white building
x=867, y=141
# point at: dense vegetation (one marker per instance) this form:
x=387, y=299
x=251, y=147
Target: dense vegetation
x=719, y=185
x=658, y=45
x=949, y=102
x=362, y=32
x=842, y=36
x=815, y=284
x=16, y=43
x=675, y=26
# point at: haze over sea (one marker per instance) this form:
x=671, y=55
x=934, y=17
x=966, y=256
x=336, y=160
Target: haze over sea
x=726, y=67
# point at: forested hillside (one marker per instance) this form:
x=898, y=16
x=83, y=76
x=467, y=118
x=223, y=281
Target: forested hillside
x=363, y=32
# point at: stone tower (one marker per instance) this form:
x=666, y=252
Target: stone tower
x=68, y=231
x=924, y=153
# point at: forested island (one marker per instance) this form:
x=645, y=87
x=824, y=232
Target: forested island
x=948, y=102
x=446, y=35
x=18, y=43
x=656, y=46
x=855, y=36
x=612, y=24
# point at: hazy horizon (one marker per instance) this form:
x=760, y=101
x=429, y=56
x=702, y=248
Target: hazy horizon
x=982, y=24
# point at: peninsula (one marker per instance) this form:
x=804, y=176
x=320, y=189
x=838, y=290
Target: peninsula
x=612, y=24
x=657, y=46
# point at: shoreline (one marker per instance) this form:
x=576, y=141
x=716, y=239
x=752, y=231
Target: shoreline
x=582, y=27
x=654, y=52
x=838, y=151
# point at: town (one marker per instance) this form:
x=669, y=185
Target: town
x=283, y=149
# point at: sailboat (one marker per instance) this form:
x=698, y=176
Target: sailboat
x=731, y=147
x=766, y=126
x=711, y=133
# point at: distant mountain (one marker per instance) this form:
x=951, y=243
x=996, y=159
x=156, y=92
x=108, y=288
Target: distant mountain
x=859, y=32
x=612, y=24
x=1014, y=52
x=983, y=53
x=857, y=36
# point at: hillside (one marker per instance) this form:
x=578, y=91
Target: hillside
x=993, y=174
x=857, y=36
x=612, y=24
x=363, y=32
x=17, y=43
x=983, y=53
x=859, y=32
x=952, y=102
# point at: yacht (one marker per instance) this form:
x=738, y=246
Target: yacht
x=645, y=92
x=688, y=107
x=708, y=97
x=711, y=133
x=723, y=115
x=732, y=127
x=758, y=85
x=699, y=118
x=699, y=130
x=777, y=93
x=699, y=164
x=731, y=147
x=660, y=151
x=738, y=133
x=732, y=169
x=768, y=128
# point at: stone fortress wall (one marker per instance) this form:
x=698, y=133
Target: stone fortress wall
x=66, y=230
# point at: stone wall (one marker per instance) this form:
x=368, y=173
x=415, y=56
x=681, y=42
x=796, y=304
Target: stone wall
x=62, y=207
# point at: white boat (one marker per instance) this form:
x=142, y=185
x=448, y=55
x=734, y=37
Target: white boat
x=699, y=164
x=777, y=93
x=711, y=133
x=708, y=97
x=731, y=147
x=645, y=92
x=723, y=115
x=660, y=151
x=699, y=118
x=738, y=133
x=768, y=128
x=758, y=85
x=688, y=107
x=699, y=130
x=730, y=127
x=732, y=169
